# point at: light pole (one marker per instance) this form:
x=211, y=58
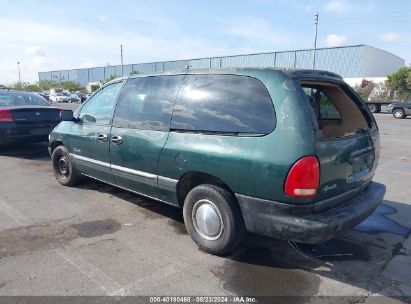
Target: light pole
x=18, y=67
x=315, y=38
x=121, y=55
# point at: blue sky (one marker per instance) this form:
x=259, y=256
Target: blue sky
x=46, y=35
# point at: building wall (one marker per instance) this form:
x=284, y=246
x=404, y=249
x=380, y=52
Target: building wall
x=379, y=63
x=349, y=61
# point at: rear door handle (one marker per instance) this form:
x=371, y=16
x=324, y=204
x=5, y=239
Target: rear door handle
x=102, y=137
x=118, y=140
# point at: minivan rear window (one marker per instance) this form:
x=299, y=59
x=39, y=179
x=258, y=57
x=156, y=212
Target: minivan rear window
x=337, y=113
x=223, y=103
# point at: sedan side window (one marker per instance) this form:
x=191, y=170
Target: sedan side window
x=99, y=109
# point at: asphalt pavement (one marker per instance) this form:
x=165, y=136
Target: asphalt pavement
x=94, y=239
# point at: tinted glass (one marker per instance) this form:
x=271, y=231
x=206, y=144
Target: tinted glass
x=101, y=105
x=147, y=103
x=224, y=103
x=21, y=99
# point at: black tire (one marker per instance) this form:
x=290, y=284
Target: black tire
x=63, y=168
x=398, y=113
x=373, y=108
x=233, y=229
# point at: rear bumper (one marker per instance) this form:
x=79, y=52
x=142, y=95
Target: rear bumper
x=22, y=134
x=298, y=223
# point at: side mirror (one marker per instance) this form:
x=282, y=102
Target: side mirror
x=66, y=115
x=88, y=118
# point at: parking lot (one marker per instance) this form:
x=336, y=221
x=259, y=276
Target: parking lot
x=94, y=239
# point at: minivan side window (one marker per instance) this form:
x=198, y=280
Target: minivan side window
x=99, y=109
x=223, y=103
x=147, y=103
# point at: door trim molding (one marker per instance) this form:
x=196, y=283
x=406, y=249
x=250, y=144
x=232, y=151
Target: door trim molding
x=133, y=172
x=89, y=160
x=162, y=181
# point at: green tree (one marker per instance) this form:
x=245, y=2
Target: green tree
x=108, y=79
x=94, y=87
x=19, y=86
x=365, y=88
x=46, y=85
x=381, y=93
x=72, y=86
x=32, y=87
x=400, y=82
x=135, y=72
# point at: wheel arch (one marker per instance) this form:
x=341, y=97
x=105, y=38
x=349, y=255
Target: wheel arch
x=192, y=179
x=54, y=144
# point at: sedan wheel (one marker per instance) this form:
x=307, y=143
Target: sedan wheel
x=398, y=113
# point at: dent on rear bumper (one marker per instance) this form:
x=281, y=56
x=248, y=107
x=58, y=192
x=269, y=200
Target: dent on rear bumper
x=298, y=223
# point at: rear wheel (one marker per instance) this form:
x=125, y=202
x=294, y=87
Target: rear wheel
x=398, y=113
x=213, y=219
x=63, y=168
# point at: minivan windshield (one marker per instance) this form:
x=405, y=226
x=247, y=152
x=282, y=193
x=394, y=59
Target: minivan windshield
x=21, y=99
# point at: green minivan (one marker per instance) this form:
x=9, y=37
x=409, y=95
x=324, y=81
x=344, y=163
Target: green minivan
x=284, y=153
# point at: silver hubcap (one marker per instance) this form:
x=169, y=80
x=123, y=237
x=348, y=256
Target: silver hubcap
x=207, y=220
x=398, y=114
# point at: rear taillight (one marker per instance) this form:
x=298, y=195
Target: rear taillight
x=5, y=115
x=303, y=178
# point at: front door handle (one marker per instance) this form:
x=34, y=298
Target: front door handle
x=102, y=137
x=118, y=140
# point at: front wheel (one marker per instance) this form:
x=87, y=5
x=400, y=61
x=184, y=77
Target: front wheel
x=63, y=168
x=398, y=113
x=213, y=219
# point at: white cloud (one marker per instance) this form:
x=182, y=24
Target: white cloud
x=78, y=45
x=36, y=51
x=338, y=6
x=102, y=18
x=260, y=33
x=390, y=36
x=335, y=40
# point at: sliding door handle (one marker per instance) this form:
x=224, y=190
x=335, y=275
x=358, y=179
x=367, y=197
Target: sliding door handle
x=117, y=140
x=102, y=137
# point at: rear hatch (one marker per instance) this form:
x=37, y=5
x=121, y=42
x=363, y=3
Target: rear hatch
x=347, y=144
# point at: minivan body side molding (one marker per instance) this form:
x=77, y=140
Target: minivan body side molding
x=138, y=173
x=89, y=160
x=163, y=182
x=166, y=183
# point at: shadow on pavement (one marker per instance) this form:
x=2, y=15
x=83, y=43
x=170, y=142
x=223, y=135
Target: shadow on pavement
x=32, y=151
x=265, y=266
